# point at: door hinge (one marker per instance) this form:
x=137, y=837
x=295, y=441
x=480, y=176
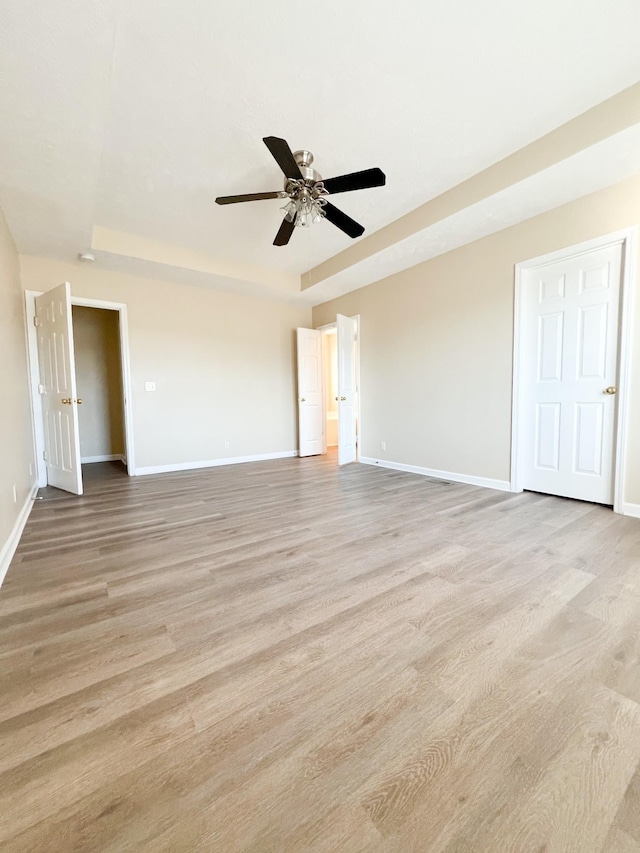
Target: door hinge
x=41, y=388
x=44, y=455
x=36, y=322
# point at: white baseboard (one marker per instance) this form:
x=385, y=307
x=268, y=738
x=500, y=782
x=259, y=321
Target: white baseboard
x=470, y=480
x=107, y=457
x=212, y=463
x=9, y=548
x=631, y=509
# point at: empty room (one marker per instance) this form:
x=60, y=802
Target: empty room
x=320, y=418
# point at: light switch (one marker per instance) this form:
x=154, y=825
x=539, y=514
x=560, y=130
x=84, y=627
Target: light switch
x=149, y=386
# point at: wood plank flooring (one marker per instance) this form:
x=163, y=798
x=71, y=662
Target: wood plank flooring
x=287, y=656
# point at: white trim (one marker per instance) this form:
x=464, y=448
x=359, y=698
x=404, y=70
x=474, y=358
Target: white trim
x=9, y=548
x=84, y=302
x=630, y=247
x=125, y=363
x=213, y=463
x=628, y=238
x=106, y=457
x=632, y=510
x=602, y=242
x=469, y=479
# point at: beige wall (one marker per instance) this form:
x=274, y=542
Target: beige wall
x=223, y=364
x=436, y=344
x=99, y=382
x=16, y=444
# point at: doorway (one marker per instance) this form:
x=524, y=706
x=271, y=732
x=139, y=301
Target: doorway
x=328, y=389
x=98, y=414
x=571, y=371
x=96, y=340
x=330, y=366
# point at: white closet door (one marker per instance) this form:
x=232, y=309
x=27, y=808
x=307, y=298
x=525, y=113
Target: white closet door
x=570, y=369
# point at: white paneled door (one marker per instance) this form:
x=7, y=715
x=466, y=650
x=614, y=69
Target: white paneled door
x=569, y=372
x=310, y=390
x=347, y=408
x=58, y=389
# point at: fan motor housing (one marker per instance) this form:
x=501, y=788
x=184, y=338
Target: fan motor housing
x=304, y=159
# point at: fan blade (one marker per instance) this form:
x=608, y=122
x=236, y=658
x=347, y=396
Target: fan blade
x=356, y=181
x=342, y=221
x=282, y=155
x=284, y=232
x=234, y=199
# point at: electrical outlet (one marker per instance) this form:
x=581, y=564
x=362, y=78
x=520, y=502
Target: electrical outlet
x=149, y=386
x=383, y=445
x=15, y=494
x=226, y=445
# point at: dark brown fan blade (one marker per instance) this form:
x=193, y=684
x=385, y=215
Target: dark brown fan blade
x=356, y=181
x=282, y=155
x=234, y=199
x=284, y=232
x=342, y=221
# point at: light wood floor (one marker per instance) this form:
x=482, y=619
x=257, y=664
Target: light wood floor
x=285, y=656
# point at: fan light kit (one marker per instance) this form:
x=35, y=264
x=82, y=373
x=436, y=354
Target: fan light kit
x=305, y=192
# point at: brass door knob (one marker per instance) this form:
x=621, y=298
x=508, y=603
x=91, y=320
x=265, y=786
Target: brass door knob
x=66, y=401
x=79, y=401
x=343, y=398
x=303, y=400
x=610, y=390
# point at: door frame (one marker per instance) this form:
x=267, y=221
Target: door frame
x=323, y=328
x=628, y=239
x=34, y=378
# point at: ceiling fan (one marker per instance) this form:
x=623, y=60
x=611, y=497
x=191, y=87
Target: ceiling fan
x=305, y=191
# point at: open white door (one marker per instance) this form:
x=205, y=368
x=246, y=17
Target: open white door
x=346, y=390
x=58, y=389
x=310, y=386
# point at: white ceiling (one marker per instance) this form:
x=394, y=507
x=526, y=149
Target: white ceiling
x=596, y=167
x=134, y=114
